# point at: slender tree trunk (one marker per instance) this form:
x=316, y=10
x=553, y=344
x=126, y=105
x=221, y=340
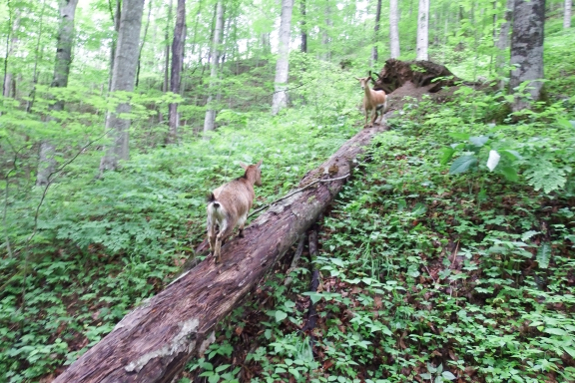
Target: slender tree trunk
x=303, y=26
x=423, y=30
x=123, y=79
x=32, y=96
x=527, y=49
x=393, y=29
x=326, y=40
x=177, y=63
x=376, y=33
x=165, y=84
x=143, y=42
x=210, y=119
x=116, y=16
x=567, y=14
x=46, y=163
x=266, y=43
x=503, y=41
x=280, y=97
x=11, y=44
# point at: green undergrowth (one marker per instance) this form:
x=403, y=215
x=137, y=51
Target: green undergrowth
x=431, y=266
x=101, y=246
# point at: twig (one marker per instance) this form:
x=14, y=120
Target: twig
x=295, y=260
x=299, y=190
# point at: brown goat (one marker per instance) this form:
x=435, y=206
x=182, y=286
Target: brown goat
x=229, y=206
x=373, y=101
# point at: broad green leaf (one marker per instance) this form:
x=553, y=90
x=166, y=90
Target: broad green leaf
x=462, y=164
x=447, y=155
x=555, y=331
x=528, y=234
x=448, y=375
x=544, y=255
x=479, y=141
x=315, y=297
x=509, y=173
x=280, y=315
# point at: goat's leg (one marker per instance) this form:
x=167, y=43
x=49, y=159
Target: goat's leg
x=225, y=231
x=241, y=223
x=211, y=233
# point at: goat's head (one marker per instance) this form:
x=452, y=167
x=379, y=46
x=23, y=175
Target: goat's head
x=253, y=173
x=363, y=81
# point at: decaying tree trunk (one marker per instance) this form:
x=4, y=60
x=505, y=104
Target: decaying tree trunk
x=153, y=342
x=397, y=73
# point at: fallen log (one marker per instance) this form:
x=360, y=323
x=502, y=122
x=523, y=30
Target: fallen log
x=154, y=341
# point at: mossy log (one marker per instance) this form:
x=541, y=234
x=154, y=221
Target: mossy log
x=154, y=341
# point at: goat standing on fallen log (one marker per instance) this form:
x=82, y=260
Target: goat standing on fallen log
x=373, y=101
x=229, y=206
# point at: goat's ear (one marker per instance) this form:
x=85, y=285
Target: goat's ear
x=243, y=165
x=259, y=164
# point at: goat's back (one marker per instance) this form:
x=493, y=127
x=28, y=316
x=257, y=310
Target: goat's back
x=236, y=196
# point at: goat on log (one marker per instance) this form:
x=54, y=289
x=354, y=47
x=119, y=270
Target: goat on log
x=153, y=342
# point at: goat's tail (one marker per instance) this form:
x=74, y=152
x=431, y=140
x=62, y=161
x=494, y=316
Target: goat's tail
x=212, y=201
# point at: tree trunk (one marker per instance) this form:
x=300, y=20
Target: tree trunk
x=165, y=84
x=527, y=49
x=123, y=79
x=177, y=63
x=116, y=17
x=393, y=29
x=46, y=163
x=503, y=41
x=153, y=342
x=11, y=43
x=210, y=119
x=303, y=26
x=143, y=42
x=326, y=40
x=423, y=30
x=567, y=14
x=280, y=97
x=32, y=96
x=376, y=33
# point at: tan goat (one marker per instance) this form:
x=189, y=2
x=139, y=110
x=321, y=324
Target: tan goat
x=373, y=101
x=229, y=206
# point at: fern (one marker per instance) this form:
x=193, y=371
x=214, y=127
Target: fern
x=546, y=176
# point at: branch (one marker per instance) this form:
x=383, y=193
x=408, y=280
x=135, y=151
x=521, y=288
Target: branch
x=298, y=191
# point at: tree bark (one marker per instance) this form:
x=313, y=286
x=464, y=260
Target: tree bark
x=46, y=162
x=503, y=41
x=303, y=26
x=527, y=49
x=210, y=119
x=376, y=33
x=11, y=44
x=165, y=84
x=423, y=30
x=393, y=29
x=567, y=14
x=116, y=17
x=396, y=74
x=123, y=79
x=153, y=342
x=143, y=42
x=177, y=63
x=280, y=97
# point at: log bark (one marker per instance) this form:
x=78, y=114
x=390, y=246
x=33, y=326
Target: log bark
x=397, y=73
x=154, y=342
